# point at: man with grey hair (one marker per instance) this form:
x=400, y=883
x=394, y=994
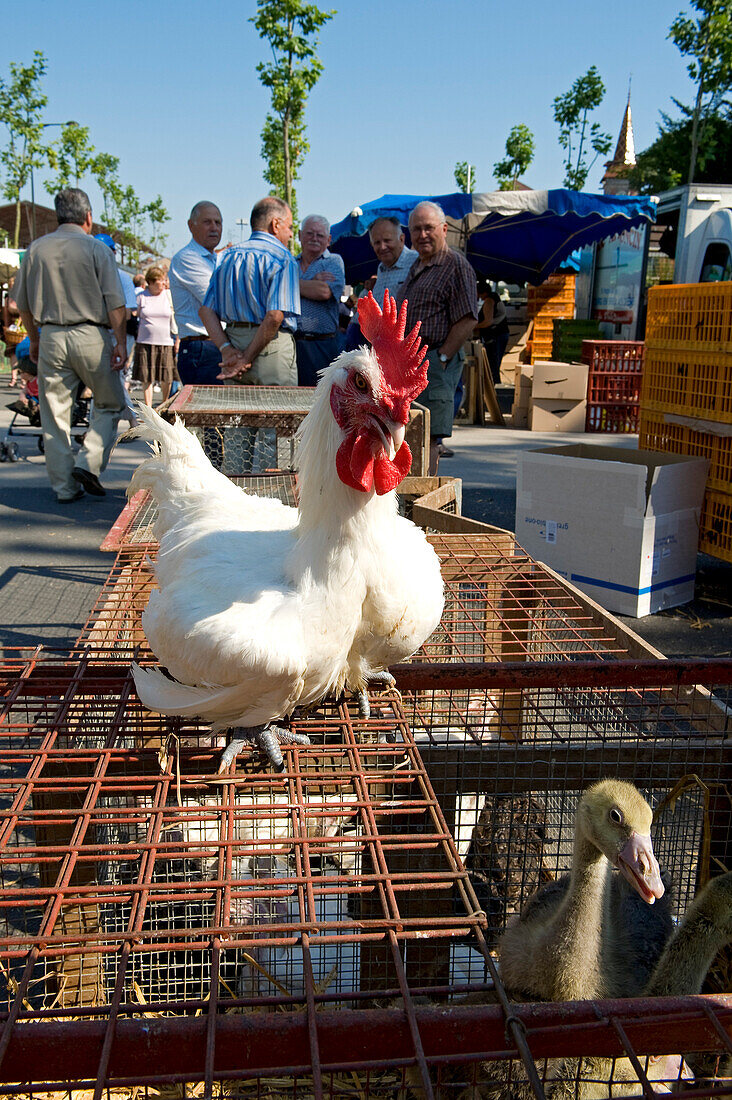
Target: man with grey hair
x=441, y=290
x=322, y=279
x=68, y=286
x=190, y=273
x=254, y=292
x=395, y=259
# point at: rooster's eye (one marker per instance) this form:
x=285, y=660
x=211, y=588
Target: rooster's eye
x=360, y=383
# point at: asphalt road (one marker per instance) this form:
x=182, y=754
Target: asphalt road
x=51, y=567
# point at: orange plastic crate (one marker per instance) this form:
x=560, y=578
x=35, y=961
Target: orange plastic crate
x=694, y=317
x=656, y=434
x=715, y=527
x=689, y=383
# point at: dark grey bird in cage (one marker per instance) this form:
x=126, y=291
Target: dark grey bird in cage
x=561, y=948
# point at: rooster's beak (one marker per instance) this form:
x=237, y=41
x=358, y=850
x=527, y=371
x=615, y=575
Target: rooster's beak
x=391, y=434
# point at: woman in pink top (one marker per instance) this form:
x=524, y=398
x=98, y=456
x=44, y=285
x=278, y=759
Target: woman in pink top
x=154, y=362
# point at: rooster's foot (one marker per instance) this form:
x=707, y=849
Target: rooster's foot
x=362, y=699
x=268, y=738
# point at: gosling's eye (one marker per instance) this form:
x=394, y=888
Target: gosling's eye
x=616, y=815
x=360, y=383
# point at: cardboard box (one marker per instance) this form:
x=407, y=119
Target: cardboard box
x=621, y=524
x=519, y=416
x=557, y=416
x=564, y=381
x=522, y=385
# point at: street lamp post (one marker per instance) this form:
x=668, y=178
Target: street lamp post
x=44, y=126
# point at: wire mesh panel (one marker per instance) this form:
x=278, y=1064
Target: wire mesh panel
x=135, y=525
x=500, y=604
x=316, y=933
x=509, y=777
x=245, y=429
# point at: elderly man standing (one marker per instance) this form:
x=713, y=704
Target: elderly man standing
x=395, y=259
x=441, y=290
x=254, y=291
x=68, y=284
x=322, y=279
x=190, y=273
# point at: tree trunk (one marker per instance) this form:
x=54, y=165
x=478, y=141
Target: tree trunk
x=286, y=157
x=16, y=236
x=697, y=109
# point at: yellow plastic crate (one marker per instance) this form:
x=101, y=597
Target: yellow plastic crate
x=655, y=434
x=696, y=317
x=715, y=528
x=689, y=383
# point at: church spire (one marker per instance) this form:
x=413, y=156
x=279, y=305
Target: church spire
x=614, y=181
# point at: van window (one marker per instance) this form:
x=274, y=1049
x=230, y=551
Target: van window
x=717, y=266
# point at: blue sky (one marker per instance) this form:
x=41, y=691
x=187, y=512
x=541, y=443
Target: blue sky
x=409, y=88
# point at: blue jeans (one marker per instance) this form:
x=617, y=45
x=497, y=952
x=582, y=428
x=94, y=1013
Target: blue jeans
x=313, y=356
x=199, y=362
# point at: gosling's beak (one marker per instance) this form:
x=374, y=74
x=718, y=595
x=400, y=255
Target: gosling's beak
x=639, y=866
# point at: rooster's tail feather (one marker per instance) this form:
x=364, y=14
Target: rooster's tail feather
x=177, y=454
x=159, y=693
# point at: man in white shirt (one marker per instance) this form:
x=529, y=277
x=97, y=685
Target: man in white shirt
x=199, y=360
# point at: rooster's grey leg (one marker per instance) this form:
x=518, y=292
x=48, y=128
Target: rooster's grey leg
x=362, y=699
x=267, y=738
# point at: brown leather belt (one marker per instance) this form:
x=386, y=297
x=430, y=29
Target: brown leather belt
x=314, y=335
x=185, y=339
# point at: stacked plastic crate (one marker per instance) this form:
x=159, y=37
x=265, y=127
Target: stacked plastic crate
x=613, y=384
x=553, y=299
x=686, y=403
x=568, y=337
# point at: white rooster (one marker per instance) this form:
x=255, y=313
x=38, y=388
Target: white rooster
x=260, y=607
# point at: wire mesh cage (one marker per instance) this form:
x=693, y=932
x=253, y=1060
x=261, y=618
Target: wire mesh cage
x=246, y=429
x=317, y=933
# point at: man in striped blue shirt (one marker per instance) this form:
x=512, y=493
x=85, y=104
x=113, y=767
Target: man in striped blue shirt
x=255, y=293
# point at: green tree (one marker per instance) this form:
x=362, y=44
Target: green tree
x=104, y=168
x=128, y=222
x=71, y=157
x=21, y=104
x=520, y=148
x=158, y=216
x=290, y=27
x=660, y=166
x=465, y=176
x=577, y=134
x=708, y=40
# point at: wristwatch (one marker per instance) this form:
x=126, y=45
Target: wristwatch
x=443, y=357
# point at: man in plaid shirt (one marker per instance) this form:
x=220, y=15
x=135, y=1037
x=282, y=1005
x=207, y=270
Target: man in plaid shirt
x=441, y=291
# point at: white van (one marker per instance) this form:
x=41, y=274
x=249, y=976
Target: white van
x=698, y=219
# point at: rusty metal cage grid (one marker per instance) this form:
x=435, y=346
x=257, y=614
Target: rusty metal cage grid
x=142, y=898
x=500, y=605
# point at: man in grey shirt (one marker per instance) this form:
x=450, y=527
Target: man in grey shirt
x=68, y=286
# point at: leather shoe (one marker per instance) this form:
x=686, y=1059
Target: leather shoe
x=89, y=481
x=445, y=452
x=70, y=500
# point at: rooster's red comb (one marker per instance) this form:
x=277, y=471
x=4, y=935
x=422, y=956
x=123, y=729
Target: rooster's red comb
x=402, y=360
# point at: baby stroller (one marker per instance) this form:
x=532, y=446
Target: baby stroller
x=26, y=413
